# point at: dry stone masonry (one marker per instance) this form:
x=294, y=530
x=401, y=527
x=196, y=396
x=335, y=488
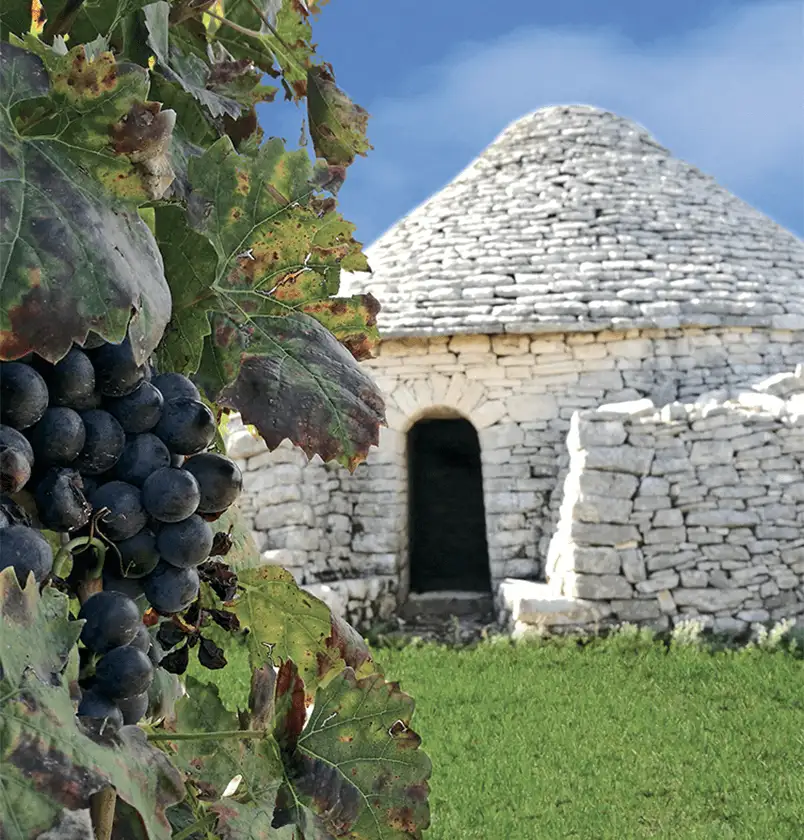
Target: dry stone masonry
x=575, y=263
x=686, y=510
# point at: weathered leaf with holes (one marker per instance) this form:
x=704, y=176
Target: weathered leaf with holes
x=48, y=761
x=74, y=254
x=284, y=621
x=337, y=125
x=357, y=769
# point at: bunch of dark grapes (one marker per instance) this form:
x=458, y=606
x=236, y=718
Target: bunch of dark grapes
x=107, y=448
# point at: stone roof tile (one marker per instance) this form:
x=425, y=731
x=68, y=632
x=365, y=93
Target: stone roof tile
x=577, y=219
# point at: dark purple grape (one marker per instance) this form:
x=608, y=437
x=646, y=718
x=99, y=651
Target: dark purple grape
x=185, y=543
x=139, y=411
x=138, y=555
x=104, y=442
x=133, y=708
x=155, y=652
x=116, y=372
x=142, y=455
x=126, y=514
x=173, y=385
x=123, y=672
x=23, y=395
x=170, y=495
x=26, y=550
x=16, y=440
x=219, y=480
x=186, y=426
x=142, y=641
x=96, y=705
x=112, y=620
x=60, y=500
x=15, y=468
x=58, y=437
x=170, y=590
x=71, y=381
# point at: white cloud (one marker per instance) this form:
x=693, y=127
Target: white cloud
x=727, y=98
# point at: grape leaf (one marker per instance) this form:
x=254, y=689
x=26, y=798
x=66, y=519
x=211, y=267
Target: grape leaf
x=288, y=46
x=74, y=254
x=344, y=647
x=294, y=380
x=357, y=769
x=283, y=620
x=337, y=125
x=47, y=758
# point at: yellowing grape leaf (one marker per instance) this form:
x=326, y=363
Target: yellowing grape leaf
x=74, y=254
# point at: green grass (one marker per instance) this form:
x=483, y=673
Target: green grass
x=621, y=739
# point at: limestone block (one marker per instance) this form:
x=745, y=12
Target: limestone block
x=539, y=604
x=671, y=518
x=598, y=561
x=723, y=518
x=707, y=452
x=665, y=579
x=600, y=483
x=632, y=408
x=636, y=610
x=596, y=587
x=652, y=486
x=528, y=408
x=503, y=436
x=753, y=615
x=277, y=516
x=618, y=536
x=667, y=605
x=470, y=344
x=586, y=434
x=710, y=600
x=489, y=413
x=510, y=345
x=242, y=444
x=633, y=565
x=694, y=578
x=624, y=459
x=608, y=509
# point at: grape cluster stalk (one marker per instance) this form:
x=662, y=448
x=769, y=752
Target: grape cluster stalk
x=113, y=456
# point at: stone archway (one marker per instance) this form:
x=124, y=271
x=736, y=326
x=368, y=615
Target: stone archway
x=448, y=549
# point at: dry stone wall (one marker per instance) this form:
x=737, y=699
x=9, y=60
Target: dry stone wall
x=347, y=533
x=687, y=510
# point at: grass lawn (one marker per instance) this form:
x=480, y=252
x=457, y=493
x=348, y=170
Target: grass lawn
x=621, y=739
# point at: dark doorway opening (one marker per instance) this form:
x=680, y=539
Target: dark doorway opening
x=447, y=522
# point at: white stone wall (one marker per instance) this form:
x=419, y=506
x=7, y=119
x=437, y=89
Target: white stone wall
x=520, y=392
x=687, y=510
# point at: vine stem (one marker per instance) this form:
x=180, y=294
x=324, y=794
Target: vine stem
x=204, y=822
x=207, y=736
x=101, y=810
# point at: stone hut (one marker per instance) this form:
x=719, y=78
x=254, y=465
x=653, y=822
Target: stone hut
x=574, y=264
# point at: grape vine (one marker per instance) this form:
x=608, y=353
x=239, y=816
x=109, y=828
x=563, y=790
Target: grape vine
x=162, y=264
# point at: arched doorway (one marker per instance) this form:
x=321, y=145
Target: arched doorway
x=447, y=523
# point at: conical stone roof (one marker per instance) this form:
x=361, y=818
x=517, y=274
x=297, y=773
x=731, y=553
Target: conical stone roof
x=577, y=219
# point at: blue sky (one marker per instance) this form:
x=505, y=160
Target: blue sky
x=719, y=82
